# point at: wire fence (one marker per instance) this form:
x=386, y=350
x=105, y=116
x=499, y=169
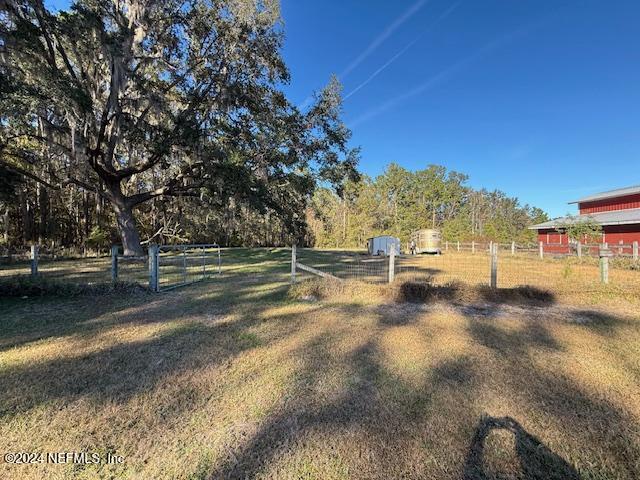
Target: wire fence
x=573, y=249
x=347, y=265
x=473, y=265
x=17, y=255
x=162, y=268
x=177, y=265
x=48, y=264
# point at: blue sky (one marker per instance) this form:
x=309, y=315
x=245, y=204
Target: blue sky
x=537, y=98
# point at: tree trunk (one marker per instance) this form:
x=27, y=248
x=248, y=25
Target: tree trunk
x=43, y=206
x=6, y=226
x=127, y=227
x=433, y=215
x=128, y=230
x=86, y=214
x=344, y=222
x=26, y=217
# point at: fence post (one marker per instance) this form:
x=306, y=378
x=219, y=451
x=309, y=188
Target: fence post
x=541, y=249
x=114, y=263
x=219, y=262
x=604, y=265
x=635, y=250
x=494, y=266
x=579, y=249
x=392, y=263
x=293, y=263
x=473, y=246
x=184, y=264
x=458, y=245
x=153, y=268
x=34, y=260
x=446, y=246
x=204, y=262
x=513, y=248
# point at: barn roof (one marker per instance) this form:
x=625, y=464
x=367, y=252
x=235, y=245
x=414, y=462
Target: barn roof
x=620, y=192
x=615, y=217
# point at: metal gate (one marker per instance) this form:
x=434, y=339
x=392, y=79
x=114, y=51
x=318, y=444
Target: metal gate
x=172, y=266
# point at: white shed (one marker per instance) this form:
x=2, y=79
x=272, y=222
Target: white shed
x=382, y=245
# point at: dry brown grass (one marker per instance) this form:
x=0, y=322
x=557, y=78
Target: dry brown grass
x=570, y=279
x=237, y=379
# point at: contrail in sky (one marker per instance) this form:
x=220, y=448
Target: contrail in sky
x=373, y=46
x=401, y=52
x=386, y=33
x=383, y=67
x=443, y=75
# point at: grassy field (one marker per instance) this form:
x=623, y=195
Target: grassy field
x=242, y=377
x=564, y=276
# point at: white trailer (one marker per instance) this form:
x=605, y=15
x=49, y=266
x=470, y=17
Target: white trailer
x=426, y=241
x=382, y=245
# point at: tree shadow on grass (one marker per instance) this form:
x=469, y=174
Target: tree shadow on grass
x=599, y=425
x=362, y=407
x=36, y=319
x=603, y=323
x=123, y=369
x=374, y=405
x=512, y=342
x=537, y=462
x=115, y=373
x=387, y=412
x=378, y=406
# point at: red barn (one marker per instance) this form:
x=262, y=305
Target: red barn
x=617, y=211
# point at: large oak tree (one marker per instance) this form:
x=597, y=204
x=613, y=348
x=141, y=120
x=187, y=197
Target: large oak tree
x=140, y=99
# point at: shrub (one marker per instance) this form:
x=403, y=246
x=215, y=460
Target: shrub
x=523, y=294
x=417, y=291
x=423, y=291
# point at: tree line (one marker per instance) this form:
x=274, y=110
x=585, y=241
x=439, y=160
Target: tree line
x=75, y=219
x=399, y=202
x=396, y=202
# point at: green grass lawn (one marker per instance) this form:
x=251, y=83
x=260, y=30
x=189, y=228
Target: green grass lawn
x=235, y=377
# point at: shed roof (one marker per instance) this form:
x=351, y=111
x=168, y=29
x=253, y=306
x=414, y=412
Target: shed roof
x=383, y=236
x=619, y=192
x=616, y=217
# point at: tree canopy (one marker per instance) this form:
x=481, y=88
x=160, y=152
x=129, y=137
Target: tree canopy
x=399, y=202
x=580, y=229
x=141, y=100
